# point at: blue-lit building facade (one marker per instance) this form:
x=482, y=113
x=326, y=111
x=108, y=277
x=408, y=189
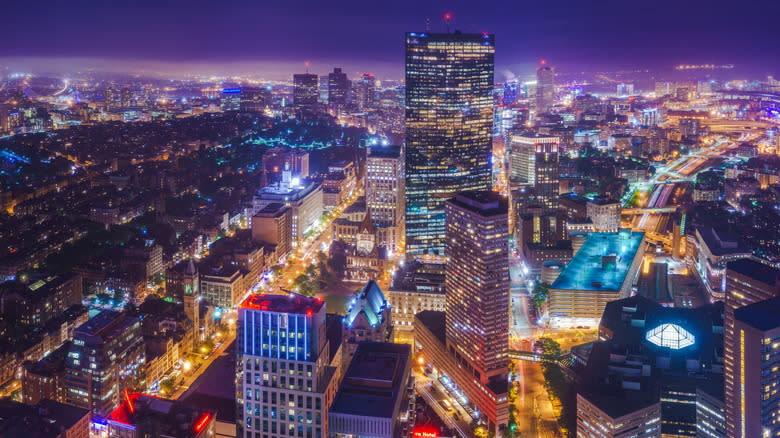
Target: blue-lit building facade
x=449, y=123
x=284, y=382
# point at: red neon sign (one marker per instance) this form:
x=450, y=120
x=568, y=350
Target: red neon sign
x=425, y=432
x=204, y=420
x=130, y=406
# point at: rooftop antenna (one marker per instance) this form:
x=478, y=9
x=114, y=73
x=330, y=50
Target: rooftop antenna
x=447, y=18
x=427, y=24
x=307, y=66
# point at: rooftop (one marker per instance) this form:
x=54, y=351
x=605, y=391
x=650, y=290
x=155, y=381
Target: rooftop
x=371, y=301
x=435, y=322
x=106, y=325
x=292, y=303
x=273, y=209
x=46, y=419
x=374, y=380
x=385, y=152
x=720, y=242
x=756, y=270
x=602, y=262
x=485, y=203
x=170, y=418
x=764, y=315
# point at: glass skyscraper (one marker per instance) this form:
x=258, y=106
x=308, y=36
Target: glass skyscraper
x=449, y=123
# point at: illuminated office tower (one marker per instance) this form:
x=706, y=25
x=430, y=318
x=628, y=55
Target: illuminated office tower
x=338, y=87
x=385, y=194
x=533, y=160
x=364, y=91
x=756, y=411
x=306, y=91
x=449, y=124
x=747, y=282
x=477, y=282
x=231, y=99
x=255, y=99
x=545, y=89
x=284, y=384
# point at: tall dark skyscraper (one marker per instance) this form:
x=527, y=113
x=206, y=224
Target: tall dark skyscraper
x=306, y=91
x=338, y=87
x=545, y=89
x=449, y=120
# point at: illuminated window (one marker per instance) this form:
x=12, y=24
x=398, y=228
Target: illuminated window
x=670, y=335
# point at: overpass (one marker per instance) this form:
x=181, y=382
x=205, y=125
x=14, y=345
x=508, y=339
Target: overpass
x=648, y=210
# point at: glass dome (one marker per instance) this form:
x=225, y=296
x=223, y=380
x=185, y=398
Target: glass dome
x=670, y=335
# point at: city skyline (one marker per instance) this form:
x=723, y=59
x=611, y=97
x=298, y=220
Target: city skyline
x=265, y=40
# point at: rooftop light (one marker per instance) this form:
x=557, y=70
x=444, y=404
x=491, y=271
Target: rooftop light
x=670, y=335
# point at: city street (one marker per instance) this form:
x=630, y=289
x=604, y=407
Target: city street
x=435, y=394
x=536, y=416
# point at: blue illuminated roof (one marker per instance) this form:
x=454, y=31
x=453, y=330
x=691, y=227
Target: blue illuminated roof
x=593, y=269
x=370, y=301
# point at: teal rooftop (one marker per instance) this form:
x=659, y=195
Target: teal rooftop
x=602, y=262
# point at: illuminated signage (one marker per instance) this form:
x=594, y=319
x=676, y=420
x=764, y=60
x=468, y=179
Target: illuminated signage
x=425, y=432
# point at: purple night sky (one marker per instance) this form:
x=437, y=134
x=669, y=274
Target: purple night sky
x=368, y=35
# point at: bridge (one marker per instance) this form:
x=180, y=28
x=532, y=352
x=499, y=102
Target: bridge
x=659, y=238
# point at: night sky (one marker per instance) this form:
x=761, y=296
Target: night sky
x=368, y=35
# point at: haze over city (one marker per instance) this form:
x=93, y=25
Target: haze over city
x=346, y=219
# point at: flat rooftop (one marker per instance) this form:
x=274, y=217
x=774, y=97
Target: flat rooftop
x=763, y=315
x=374, y=380
x=385, y=151
x=593, y=267
x=755, y=270
x=292, y=303
x=107, y=324
x=484, y=202
x=271, y=210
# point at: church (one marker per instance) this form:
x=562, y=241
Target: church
x=365, y=259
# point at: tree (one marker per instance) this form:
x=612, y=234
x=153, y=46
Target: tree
x=551, y=350
x=166, y=385
x=539, y=296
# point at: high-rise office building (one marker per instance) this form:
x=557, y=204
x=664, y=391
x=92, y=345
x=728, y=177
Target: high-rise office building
x=449, y=123
x=747, y=282
x=365, y=89
x=231, y=99
x=477, y=281
x=755, y=402
x=545, y=89
x=306, y=91
x=385, y=194
x=284, y=382
x=338, y=87
x=468, y=342
x=105, y=357
x=534, y=160
x=254, y=99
